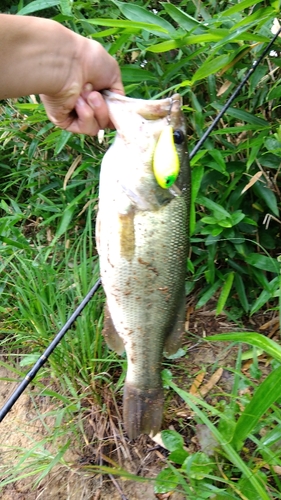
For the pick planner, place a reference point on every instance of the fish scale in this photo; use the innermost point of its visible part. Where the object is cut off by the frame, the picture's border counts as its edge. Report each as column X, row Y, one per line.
column 142, row 243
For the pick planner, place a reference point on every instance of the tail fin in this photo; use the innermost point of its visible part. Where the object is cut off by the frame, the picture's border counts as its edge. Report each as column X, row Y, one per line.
column 143, row 410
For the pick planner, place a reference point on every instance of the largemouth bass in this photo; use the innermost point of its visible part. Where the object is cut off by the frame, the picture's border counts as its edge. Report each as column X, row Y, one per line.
column 142, row 241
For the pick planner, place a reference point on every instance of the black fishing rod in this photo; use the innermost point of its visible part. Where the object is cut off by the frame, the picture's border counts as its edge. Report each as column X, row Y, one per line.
column 40, row 362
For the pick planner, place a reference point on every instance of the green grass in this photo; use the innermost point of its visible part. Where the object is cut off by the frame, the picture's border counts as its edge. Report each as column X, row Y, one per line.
column 48, row 261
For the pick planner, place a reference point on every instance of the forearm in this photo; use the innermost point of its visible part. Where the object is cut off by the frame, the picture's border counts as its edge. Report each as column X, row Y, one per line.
column 26, row 67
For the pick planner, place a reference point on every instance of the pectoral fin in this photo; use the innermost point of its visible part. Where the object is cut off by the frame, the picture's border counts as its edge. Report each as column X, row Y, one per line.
column 110, row 334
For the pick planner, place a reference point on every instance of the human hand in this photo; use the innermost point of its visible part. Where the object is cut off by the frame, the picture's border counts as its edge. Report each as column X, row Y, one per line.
column 78, row 107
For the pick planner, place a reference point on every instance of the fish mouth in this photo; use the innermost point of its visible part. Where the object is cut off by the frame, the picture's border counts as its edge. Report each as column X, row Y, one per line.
column 148, row 109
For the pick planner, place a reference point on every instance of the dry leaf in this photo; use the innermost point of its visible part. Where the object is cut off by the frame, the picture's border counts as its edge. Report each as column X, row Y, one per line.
column 197, row 382
column 223, row 88
column 253, row 180
column 71, row 170
column 212, row 382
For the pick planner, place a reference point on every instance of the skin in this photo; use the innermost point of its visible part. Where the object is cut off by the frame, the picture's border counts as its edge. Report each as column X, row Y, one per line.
column 40, row 56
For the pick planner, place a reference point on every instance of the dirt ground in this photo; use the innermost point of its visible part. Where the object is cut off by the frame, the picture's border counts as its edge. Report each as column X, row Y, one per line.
column 22, row 429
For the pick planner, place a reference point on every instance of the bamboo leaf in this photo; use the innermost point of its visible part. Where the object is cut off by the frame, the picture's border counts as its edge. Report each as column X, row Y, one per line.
column 37, row 5
column 62, row 140
column 130, row 74
column 123, row 23
column 241, row 292
column 228, row 449
column 262, row 262
column 265, row 395
column 140, row 14
column 256, row 339
column 212, row 66
column 239, row 6
column 184, row 20
column 212, row 205
column 225, row 292
column 242, row 115
column 197, row 176
column 267, row 195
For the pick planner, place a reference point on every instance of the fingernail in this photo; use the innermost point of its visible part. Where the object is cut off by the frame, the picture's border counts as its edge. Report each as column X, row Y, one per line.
column 80, row 101
column 88, row 87
column 94, row 101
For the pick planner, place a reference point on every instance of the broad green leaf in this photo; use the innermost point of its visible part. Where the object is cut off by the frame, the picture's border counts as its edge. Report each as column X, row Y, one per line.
column 184, row 20
column 120, row 23
column 178, row 456
column 238, row 7
column 186, row 40
column 261, row 278
column 15, row 243
column 238, row 129
column 172, row 440
column 256, row 339
column 198, row 465
column 263, row 298
column 237, row 217
column 212, row 66
column 131, row 74
column 253, row 19
column 208, row 294
column 275, row 93
column 224, row 223
column 267, row 195
column 263, row 262
column 37, row 5
column 228, row 449
column 61, row 142
column 225, row 293
column 140, row 14
column 241, row 292
column 65, row 6
column 197, row 176
column 218, row 157
column 165, row 481
column 64, row 223
column 212, row 205
column 209, row 220
column 242, row 115
column 266, row 394
column 166, row 46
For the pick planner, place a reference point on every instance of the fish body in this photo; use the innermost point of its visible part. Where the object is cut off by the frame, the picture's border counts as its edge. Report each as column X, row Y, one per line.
column 142, row 241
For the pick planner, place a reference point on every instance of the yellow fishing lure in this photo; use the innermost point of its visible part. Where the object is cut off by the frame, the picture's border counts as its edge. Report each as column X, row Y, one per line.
column 166, row 163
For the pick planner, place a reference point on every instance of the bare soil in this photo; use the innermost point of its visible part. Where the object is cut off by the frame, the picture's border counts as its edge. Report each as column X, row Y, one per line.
column 203, row 371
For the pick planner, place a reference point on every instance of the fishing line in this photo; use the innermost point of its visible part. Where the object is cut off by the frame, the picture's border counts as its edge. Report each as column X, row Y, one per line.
column 233, row 96
column 40, row 362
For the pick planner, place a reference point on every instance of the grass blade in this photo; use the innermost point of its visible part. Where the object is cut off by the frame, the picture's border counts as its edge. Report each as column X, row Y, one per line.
column 252, row 338
column 228, row 449
column 265, row 395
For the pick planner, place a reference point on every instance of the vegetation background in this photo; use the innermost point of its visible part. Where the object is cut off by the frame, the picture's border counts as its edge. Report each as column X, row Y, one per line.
column 48, row 262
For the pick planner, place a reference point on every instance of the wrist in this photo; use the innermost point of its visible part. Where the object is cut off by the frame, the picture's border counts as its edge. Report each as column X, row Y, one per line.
column 37, row 55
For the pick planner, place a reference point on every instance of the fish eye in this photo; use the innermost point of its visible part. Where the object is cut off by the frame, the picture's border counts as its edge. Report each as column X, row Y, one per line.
column 178, row 136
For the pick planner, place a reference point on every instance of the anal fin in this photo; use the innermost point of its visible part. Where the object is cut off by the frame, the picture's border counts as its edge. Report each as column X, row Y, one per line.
column 174, row 340
column 110, row 334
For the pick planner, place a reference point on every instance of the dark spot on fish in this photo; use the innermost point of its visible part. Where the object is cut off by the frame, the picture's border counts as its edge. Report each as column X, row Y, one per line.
column 143, row 262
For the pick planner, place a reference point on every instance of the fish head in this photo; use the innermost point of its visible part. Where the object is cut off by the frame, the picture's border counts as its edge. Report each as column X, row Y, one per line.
column 140, row 125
